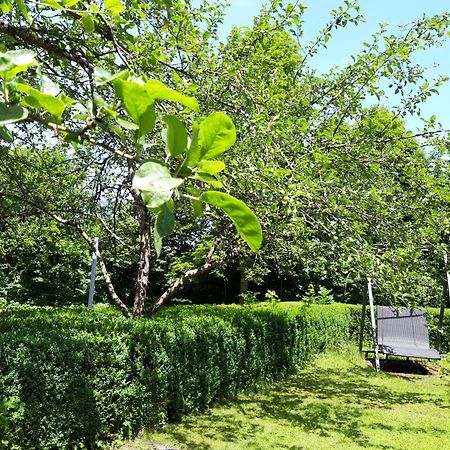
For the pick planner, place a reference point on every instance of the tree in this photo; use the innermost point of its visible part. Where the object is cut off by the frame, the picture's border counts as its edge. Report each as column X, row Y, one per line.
column 40, row 261
column 335, row 182
column 76, row 52
column 331, row 178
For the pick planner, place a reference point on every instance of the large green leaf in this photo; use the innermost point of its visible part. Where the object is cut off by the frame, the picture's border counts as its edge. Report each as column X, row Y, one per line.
column 244, row 219
column 155, row 199
column 164, row 225
column 175, row 136
column 12, row 114
column 216, row 135
column 193, row 154
column 211, row 167
column 16, row 61
column 88, row 23
column 50, row 103
column 159, row 91
column 102, row 76
column 5, row 134
column 210, row 179
column 154, row 178
column 138, row 103
column 127, row 125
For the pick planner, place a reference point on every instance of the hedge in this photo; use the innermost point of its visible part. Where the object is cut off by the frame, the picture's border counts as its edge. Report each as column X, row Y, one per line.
column 78, row 378
column 72, row 378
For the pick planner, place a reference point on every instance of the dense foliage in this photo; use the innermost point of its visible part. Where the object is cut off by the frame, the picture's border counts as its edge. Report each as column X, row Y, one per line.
column 340, row 185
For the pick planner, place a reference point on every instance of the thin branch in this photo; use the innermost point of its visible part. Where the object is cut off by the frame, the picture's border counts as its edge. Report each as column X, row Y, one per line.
column 82, row 134
column 113, row 234
column 28, row 36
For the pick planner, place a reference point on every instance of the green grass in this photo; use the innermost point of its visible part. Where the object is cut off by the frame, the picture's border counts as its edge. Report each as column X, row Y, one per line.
column 336, row 403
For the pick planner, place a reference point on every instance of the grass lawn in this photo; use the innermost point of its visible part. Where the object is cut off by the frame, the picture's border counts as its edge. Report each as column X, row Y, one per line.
column 336, row 403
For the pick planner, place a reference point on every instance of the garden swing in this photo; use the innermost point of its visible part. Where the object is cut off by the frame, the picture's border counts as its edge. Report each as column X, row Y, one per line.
column 397, row 332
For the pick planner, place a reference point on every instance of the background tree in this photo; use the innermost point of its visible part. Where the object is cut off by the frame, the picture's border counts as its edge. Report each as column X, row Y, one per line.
column 333, row 180
column 342, row 189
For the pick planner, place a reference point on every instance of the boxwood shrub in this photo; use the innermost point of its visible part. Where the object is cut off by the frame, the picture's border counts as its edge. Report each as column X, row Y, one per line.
column 78, row 378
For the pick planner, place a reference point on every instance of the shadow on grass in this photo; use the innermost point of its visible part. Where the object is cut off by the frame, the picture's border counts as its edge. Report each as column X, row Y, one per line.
column 324, row 402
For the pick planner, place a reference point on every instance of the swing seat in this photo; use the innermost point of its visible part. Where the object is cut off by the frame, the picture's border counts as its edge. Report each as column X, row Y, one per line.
column 404, row 333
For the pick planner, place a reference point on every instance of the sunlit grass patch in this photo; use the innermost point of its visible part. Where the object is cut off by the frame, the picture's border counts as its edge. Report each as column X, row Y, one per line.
column 336, row 403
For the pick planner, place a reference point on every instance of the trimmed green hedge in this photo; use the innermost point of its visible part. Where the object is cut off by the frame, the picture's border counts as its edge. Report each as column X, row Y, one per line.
column 78, row 378
column 70, row 377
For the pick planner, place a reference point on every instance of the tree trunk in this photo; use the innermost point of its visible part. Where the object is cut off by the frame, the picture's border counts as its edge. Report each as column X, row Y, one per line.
column 144, row 259
column 243, row 287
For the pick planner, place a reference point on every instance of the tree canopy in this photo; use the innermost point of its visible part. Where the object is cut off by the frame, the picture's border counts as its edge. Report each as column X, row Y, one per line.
column 133, row 122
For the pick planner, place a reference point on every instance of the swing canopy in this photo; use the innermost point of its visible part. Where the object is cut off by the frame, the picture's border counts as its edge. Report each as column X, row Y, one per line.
column 404, row 333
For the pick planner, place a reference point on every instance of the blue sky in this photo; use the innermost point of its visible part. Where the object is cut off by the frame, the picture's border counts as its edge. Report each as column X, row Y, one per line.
column 349, row 40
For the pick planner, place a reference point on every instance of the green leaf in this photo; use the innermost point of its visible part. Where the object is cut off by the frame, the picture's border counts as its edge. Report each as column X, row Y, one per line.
column 23, row 10
column 52, row 3
column 16, row 61
column 197, row 205
column 154, row 178
column 155, row 199
column 164, row 225
column 102, row 76
column 193, row 154
column 165, row 219
column 88, row 23
column 5, row 134
column 157, row 241
column 50, row 103
column 159, row 91
column 115, row 6
column 127, row 125
column 216, row 135
column 12, row 114
column 242, row 216
column 139, row 105
column 207, row 178
column 211, row 167
column 176, row 136
column 153, row 175
column 6, row 6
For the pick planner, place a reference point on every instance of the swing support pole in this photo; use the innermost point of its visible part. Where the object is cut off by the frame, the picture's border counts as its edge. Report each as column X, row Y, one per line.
column 374, row 325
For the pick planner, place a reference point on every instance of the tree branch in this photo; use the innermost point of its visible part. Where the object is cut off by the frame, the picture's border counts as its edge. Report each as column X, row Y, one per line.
column 181, row 281
column 28, row 36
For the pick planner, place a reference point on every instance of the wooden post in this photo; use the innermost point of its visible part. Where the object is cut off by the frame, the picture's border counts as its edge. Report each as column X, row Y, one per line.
column 93, row 273
column 374, row 325
column 363, row 320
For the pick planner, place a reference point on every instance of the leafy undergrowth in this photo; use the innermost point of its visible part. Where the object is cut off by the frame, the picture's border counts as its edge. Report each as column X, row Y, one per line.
column 337, row 403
